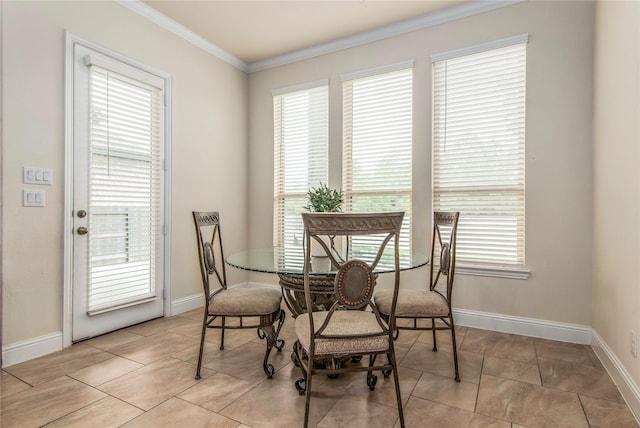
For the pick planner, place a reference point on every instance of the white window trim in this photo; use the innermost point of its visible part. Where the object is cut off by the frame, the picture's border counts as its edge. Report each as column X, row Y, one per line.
column 377, row 70
column 495, row 271
column 481, row 47
column 300, row 87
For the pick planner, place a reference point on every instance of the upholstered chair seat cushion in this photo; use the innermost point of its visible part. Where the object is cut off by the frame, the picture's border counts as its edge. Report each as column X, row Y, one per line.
column 412, row 303
column 246, row 300
column 343, row 323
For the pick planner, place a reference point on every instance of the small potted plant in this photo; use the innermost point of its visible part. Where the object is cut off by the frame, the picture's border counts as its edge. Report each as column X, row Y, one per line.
column 323, row 199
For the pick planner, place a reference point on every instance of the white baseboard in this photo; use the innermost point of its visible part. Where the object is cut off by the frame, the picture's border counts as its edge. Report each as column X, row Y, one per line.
column 565, row 332
column 628, row 388
column 187, row 304
column 29, row 349
column 36, row 347
column 533, row 327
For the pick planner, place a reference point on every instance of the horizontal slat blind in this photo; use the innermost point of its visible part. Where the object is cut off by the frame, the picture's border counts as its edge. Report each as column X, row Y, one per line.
column 125, row 188
column 377, row 142
column 479, row 151
column 301, row 135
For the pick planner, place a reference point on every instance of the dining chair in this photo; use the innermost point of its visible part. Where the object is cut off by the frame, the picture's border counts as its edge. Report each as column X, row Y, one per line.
column 432, row 303
column 245, row 301
column 334, row 341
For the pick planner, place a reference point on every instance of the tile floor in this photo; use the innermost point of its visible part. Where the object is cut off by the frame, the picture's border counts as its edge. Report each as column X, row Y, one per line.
column 143, row 376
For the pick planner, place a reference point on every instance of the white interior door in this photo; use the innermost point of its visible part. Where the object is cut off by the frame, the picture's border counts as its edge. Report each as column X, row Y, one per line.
column 118, row 188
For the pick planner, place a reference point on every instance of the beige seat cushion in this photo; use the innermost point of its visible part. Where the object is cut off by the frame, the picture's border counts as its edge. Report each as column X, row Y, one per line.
column 412, row 303
column 343, row 323
column 246, row 300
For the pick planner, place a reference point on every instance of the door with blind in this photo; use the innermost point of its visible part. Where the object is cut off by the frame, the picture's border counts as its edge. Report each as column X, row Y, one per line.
column 118, row 187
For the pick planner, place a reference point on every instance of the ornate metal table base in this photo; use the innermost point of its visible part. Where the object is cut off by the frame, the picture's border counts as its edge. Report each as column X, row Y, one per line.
column 293, row 292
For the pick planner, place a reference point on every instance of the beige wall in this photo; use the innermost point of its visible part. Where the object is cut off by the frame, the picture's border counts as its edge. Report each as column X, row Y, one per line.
column 616, row 247
column 211, row 128
column 558, row 148
column 210, row 105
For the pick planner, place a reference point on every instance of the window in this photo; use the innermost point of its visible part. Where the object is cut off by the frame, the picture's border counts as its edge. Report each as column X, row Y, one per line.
column 125, row 182
column 377, row 138
column 479, row 146
column 301, row 135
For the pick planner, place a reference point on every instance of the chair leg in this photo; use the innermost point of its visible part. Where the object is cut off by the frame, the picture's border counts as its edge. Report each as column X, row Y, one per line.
column 223, row 320
column 455, row 349
column 372, row 379
column 396, row 380
column 204, row 332
column 268, row 332
column 433, row 330
column 307, row 401
column 298, row 360
column 279, row 343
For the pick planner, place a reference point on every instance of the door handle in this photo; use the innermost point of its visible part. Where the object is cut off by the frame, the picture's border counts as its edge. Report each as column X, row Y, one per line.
column 82, row 230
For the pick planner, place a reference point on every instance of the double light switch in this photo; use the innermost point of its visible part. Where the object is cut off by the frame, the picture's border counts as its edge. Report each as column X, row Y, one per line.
column 33, row 175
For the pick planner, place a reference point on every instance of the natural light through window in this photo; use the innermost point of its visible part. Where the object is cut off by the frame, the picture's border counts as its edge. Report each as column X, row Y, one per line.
column 377, row 142
column 300, row 155
column 479, row 148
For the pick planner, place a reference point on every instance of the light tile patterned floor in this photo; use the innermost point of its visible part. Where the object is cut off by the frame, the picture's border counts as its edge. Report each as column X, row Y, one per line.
column 143, row 376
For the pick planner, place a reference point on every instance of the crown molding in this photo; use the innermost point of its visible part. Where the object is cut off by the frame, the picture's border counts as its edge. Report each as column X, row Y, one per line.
column 464, row 10
column 180, row 30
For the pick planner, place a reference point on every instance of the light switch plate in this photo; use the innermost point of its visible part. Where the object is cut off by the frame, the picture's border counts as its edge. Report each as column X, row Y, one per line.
column 32, row 198
column 33, row 175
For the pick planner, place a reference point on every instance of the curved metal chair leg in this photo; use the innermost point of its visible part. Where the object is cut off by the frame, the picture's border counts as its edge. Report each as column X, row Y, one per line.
column 372, row 379
column 204, row 332
column 270, row 333
column 279, row 343
column 267, row 332
column 386, row 373
column 396, row 333
column 300, row 383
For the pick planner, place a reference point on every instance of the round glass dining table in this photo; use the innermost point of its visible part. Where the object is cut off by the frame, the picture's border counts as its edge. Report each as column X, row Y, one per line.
column 288, row 263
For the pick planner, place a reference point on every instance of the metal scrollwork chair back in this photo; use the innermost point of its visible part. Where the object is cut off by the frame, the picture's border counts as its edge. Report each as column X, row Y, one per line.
column 260, row 302
column 432, row 303
column 352, row 327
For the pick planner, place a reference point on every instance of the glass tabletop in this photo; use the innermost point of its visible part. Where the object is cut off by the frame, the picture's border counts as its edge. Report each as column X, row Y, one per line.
column 290, row 260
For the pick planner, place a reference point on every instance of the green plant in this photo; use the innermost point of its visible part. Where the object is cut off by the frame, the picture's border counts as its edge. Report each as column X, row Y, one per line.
column 324, row 199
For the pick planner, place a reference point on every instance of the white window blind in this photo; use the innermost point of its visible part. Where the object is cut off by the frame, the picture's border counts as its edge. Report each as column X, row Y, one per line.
column 479, row 150
column 377, row 139
column 125, row 187
column 301, row 135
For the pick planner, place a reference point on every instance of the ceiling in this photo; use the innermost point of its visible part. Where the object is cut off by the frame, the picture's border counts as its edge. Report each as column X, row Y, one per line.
column 257, row 30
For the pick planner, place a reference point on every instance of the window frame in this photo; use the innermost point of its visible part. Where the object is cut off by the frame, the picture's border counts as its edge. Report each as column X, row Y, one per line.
column 280, row 194
column 517, row 270
column 365, row 76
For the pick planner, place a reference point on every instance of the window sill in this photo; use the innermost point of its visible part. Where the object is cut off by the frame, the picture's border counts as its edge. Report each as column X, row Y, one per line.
column 494, row 271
